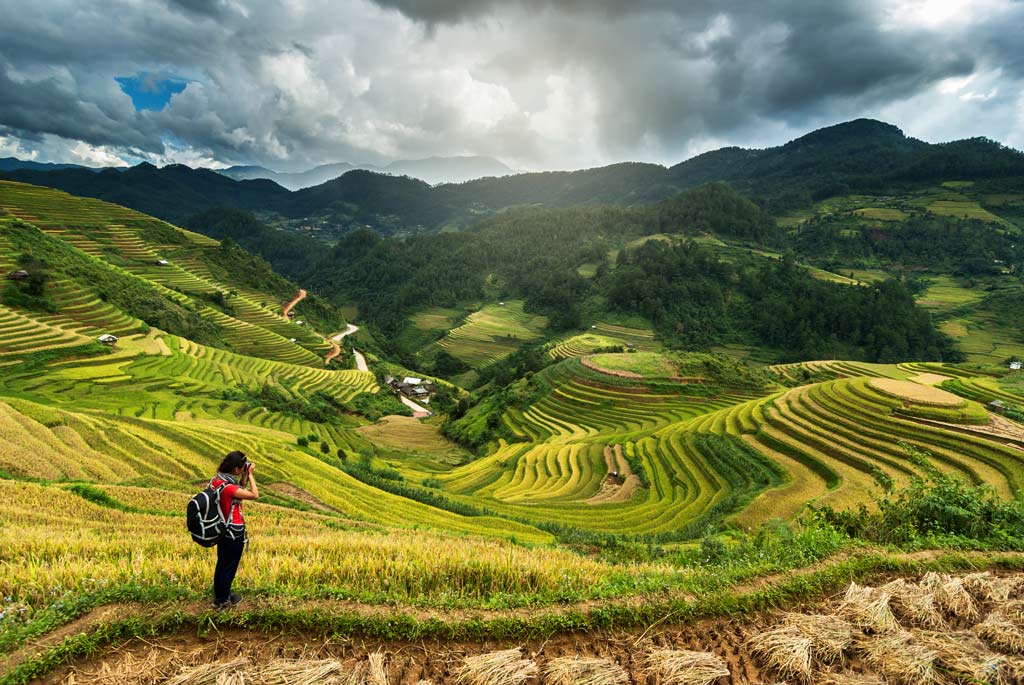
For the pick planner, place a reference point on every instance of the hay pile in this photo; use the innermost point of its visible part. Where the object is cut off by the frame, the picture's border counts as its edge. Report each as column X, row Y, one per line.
column 951, row 595
column 682, row 667
column 962, row 654
column 1001, row 633
column 915, row 605
column 899, row 658
column 571, row 670
column 794, row 647
column 868, row 608
column 504, row 667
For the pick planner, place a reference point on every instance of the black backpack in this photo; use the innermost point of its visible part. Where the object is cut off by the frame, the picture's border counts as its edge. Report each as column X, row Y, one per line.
column 204, row 518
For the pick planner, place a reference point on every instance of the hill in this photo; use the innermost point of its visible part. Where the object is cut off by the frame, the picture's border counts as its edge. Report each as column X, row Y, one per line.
column 862, row 156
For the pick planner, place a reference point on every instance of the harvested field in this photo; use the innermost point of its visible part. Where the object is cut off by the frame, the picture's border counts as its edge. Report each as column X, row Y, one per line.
column 916, row 392
column 814, row 646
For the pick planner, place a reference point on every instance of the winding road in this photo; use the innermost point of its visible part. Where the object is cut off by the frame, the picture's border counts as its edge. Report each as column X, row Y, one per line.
column 291, row 303
column 418, row 411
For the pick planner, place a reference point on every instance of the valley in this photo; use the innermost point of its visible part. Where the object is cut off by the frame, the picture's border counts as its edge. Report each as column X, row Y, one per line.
column 700, row 407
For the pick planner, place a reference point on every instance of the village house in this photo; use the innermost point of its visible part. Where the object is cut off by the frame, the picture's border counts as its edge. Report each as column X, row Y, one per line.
column 998, row 406
column 410, row 386
column 107, row 339
column 1016, row 366
column 162, row 262
column 19, row 275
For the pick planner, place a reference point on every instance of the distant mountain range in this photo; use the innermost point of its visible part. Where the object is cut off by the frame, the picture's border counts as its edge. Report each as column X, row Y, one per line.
column 864, row 156
column 433, row 170
column 14, row 164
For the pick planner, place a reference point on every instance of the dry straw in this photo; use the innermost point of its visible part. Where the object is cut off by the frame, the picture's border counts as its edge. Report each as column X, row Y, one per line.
column 847, row 678
column 898, row 658
column 1001, row 633
column 914, row 604
column 951, row 595
column 299, row 672
column 378, row 671
column 683, row 667
column 1014, row 610
column 571, row 670
column 215, row 673
column 868, row 608
column 988, row 588
column 962, row 654
column 785, row 650
column 830, row 635
column 505, row 667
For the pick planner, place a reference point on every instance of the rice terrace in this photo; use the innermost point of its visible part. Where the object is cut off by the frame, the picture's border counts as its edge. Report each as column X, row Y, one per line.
column 695, row 385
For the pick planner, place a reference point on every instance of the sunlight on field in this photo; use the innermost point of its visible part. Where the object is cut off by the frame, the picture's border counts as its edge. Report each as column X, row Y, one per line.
column 945, row 293
column 642, row 364
column 492, row 333
column 882, row 213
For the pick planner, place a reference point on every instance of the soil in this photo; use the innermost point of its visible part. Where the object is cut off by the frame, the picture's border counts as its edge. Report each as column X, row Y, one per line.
column 611, row 489
column 727, row 639
column 292, row 302
column 292, row 490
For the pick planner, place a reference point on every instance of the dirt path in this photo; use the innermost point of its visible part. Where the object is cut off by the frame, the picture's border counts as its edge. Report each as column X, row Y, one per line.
column 335, row 341
column 434, row 659
column 611, row 489
column 291, row 303
column 418, row 411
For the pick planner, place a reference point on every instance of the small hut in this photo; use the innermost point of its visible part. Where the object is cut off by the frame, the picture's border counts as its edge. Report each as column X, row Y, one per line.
column 108, row 339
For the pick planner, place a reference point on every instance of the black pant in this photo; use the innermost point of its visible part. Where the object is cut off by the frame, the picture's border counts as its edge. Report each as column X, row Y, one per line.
column 229, row 553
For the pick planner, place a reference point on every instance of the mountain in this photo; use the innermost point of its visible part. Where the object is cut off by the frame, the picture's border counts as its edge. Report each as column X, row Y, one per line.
column 14, row 164
column 861, row 156
column 291, row 181
column 173, row 193
column 433, row 170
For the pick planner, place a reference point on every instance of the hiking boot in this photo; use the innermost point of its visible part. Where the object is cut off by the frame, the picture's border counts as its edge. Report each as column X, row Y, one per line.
column 233, row 600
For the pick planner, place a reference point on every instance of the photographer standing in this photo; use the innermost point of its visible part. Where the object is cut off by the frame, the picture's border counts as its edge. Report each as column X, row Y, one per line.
column 234, row 472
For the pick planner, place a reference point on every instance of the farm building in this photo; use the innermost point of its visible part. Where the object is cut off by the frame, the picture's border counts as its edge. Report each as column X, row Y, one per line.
column 19, row 275
column 162, row 262
column 997, row 406
column 291, row 315
column 107, row 339
column 410, row 386
column 1016, row 366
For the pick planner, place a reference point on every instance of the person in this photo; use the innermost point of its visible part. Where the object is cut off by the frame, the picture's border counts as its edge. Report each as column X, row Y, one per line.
column 234, row 472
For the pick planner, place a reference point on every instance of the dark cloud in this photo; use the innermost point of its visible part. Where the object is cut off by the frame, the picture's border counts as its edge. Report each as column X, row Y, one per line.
column 537, row 83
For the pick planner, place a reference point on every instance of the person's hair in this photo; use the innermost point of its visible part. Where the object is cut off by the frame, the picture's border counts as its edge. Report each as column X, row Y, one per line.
column 232, row 461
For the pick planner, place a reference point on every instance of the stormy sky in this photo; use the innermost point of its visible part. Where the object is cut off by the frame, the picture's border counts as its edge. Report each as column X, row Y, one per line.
column 538, row 84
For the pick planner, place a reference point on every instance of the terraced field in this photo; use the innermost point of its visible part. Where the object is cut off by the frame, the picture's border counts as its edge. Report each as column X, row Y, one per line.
column 836, row 442
column 492, row 333
column 160, row 254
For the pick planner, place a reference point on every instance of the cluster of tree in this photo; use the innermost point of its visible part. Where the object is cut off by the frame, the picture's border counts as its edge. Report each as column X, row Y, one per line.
column 963, row 247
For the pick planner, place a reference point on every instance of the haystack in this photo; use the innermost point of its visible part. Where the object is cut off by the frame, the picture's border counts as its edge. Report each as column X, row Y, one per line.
column 988, row 588
column 571, row 670
column 682, row 667
column 1001, row 633
column 1014, row 610
column 830, row 635
column 378, row 671
column 963, row 655
column 786, row 650
column 914, row 604
column 868, row 608
column 299, row 672
column 898, row 658
column 215, row 673
column 504, row 667
column 951, row 595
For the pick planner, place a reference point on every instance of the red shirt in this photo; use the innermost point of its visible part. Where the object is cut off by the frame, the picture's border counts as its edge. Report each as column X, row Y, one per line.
column 229, row 506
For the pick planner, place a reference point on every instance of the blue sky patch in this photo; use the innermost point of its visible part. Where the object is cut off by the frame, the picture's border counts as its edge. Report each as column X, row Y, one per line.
column 151, row 91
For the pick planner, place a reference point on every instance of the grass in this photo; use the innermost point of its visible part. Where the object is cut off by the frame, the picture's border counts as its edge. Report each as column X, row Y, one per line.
column 945, row 294
column 643, row 364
